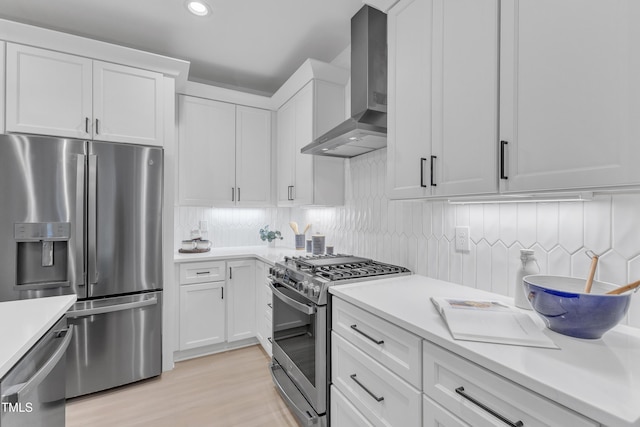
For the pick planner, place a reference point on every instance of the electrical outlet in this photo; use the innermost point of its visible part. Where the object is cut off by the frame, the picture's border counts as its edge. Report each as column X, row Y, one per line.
column 203, row 225
column 462, row 239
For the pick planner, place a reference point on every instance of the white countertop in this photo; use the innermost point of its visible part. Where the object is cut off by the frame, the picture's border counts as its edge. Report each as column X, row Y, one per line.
column 597, row 378
column 263, row 253
column 24, row 322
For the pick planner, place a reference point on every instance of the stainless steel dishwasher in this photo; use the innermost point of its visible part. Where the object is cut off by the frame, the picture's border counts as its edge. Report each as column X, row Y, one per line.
column 33, row 391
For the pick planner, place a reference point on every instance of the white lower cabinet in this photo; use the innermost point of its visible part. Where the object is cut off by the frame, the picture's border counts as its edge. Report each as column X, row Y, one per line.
column 263, row 307
column 435, row 415
column 241, row 300
column 217, row 306
column 343, row 413
column 372, row 382
column 202, row 315
column 380, row 395
column 482, row 399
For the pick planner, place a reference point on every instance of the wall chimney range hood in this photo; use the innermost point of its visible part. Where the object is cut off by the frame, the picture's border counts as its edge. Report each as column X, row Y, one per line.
column 366, row 130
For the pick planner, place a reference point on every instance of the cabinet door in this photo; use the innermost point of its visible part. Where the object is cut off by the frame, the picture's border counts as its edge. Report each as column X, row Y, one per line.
column 127, row 104
column 253, row 156
column 202, row 314
column 241, row 300
column 206, row 165
column 434, row 415
column 465, row 97
column 3, row 47
column 303, row 190
column 48, row 93
column 409, row 118
column 569, row 85
column 285, row 152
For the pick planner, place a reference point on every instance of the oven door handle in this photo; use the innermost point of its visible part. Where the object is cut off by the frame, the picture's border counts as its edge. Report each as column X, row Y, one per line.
column 306, row 309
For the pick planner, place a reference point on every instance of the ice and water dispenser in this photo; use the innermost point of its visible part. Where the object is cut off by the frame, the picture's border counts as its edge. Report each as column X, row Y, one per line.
column 42, row 254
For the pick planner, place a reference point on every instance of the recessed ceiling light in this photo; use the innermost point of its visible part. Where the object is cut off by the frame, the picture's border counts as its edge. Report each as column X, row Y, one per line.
column 198, row 7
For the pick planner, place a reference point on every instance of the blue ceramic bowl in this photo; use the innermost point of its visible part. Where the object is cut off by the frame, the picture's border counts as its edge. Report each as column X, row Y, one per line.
column 566, row 309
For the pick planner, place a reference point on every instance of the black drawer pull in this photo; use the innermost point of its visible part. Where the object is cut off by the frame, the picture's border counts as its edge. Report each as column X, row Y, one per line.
column 355, row 328
column 503, row 145
column 202, row 272
column 270, row 340
column 433, row 159
column 460, row 391
column 378, row 399
column 269, row 305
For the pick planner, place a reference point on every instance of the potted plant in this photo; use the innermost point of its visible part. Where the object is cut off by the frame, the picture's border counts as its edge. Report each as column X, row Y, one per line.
column 269, row 235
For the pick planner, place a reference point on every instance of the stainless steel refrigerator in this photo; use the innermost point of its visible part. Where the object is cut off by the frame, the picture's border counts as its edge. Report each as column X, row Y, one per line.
column 85, row 217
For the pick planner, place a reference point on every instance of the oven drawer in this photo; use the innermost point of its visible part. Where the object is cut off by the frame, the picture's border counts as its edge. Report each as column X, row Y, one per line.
column 479, row 396
column 379, row 394
column 200, row 272
column 394, row 347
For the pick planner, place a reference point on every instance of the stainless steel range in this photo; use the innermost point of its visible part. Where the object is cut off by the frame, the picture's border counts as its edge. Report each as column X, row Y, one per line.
column 301, row 325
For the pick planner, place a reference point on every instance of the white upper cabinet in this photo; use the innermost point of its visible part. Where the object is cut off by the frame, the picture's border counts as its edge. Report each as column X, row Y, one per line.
column 570, row 85
column 52, row 93
column 224, row 154
column 127, row 104
column 48, row 93
column 3, row 47
column 443, row 106
column 304, row 179
column 253, row 156
column 207, row 154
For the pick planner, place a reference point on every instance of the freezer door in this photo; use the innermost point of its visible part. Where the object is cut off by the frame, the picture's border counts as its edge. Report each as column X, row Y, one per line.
column 42, row 191
column 117, row 341
column 125, row 219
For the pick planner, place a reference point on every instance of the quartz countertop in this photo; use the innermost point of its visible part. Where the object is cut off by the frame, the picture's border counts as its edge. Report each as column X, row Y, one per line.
column 597, row 378
column 263, row 253
column 24, row 322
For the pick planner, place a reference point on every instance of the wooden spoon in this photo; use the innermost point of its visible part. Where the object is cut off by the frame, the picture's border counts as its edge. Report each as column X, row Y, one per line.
column 625, row 288
column 294, row 227
column 592, row 272
column 306, row 228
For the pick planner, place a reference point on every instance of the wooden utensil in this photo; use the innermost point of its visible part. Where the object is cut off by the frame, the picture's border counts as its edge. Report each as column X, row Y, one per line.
column 306, row 228
column 625, row 288
column 294, row 227
column 592, row 272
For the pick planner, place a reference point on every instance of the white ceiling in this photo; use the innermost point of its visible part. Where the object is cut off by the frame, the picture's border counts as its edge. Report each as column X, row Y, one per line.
column 251, row 45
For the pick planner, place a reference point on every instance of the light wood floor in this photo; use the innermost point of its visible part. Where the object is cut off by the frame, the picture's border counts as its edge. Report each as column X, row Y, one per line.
column 229, row 389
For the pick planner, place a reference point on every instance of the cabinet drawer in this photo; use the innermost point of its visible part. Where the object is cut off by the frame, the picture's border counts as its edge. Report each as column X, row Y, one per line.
column 394, row 347
column 446, row 375
column 379, row 394
column 200, row 272
column 434, row 415
column 343, row 413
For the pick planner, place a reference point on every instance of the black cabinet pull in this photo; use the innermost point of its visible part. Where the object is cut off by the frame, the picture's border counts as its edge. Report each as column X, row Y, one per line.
column 202, row 272
column 238, row 193
column 233, row 194
column 503, row 145
column 222, row 293
column 460, row 391
column 230, row 273
column 290, row 192
column 97, row 127
column 422, row 162
column 355, row 328
column 433, row 160
column 269, row 305
column 270, row 340
column 86, row 125
column 378, row 399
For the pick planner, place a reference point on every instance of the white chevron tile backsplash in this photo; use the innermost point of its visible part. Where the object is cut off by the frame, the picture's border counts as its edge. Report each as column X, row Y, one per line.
column 419, row 234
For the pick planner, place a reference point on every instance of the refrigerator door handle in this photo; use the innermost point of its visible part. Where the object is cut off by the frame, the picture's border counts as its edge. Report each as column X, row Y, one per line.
column 112, row 308
column 79, row 231
column 92, row 219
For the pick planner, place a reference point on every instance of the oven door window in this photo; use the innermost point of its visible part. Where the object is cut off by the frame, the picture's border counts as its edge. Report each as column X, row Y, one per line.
column 295, row 328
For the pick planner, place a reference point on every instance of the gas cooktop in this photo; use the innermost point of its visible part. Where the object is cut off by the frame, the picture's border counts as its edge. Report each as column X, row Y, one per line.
column 313, row 275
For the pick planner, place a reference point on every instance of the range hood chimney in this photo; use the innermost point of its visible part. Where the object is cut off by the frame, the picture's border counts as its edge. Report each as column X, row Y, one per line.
column 366, row 130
